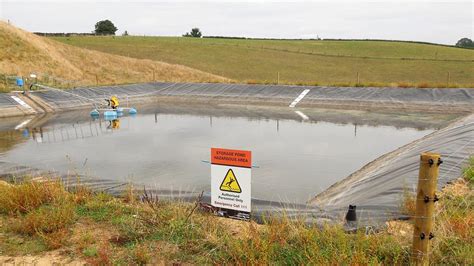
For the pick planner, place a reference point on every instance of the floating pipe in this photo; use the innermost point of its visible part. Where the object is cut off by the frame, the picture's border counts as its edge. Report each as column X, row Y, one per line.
column 110, row 113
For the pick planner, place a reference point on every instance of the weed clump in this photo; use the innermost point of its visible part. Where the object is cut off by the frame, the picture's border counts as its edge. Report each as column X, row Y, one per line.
column 454, row 243
column 469, row 172
column 47, row 219
column 454, row 237
column 39, row 209
column 28, row 196
column 408, row 206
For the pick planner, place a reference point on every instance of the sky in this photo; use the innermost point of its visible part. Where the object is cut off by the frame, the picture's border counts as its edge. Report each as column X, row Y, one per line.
column 416, row 20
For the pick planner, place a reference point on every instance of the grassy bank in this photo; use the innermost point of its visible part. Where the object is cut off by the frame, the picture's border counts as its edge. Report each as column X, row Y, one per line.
column 313, row 62
column 37, row 217
column 23, row 53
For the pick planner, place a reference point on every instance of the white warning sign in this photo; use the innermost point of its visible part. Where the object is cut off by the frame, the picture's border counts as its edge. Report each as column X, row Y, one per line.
column 231, row 179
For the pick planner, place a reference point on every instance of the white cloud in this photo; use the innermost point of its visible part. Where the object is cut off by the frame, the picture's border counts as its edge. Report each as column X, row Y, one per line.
column 432, row 21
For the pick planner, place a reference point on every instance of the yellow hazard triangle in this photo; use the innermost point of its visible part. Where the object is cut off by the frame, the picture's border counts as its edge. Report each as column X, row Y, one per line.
column 230, row 183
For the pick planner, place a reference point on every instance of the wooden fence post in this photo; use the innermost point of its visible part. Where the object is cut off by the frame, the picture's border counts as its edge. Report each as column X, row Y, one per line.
column 425, row 199
column 449, row 79
column 358, row 78
column 278, row 78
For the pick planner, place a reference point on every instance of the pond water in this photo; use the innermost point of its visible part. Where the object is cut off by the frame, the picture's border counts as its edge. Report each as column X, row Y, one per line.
column 294, row 157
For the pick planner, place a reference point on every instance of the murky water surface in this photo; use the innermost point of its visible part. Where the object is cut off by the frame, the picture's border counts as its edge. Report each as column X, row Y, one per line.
column 294, row 158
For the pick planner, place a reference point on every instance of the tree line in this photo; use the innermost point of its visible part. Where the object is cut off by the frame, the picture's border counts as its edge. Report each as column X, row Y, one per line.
column 107, row 27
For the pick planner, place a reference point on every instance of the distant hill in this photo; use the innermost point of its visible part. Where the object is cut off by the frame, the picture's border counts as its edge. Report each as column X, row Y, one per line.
column 22, row 53
column 323, row 62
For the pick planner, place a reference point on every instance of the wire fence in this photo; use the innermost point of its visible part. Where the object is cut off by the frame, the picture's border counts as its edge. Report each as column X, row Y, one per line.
column 8, row 82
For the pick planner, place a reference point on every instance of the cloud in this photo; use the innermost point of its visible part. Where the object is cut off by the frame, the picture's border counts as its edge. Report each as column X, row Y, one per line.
column 442, row 22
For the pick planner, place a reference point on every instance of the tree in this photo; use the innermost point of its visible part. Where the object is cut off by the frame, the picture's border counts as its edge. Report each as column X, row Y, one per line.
column 465, row 42
column 105, row 27
column 125, row 33
column 195, row 32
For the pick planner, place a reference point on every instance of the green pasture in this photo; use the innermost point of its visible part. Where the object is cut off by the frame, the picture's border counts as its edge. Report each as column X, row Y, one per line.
column 377, row 63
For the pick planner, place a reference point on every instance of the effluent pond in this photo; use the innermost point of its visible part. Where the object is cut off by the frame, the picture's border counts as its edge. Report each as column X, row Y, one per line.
column 295, row 154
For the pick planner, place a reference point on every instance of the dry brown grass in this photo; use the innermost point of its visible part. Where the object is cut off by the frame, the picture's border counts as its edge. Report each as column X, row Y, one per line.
column 48, row 219
column 28, row 196
column 22, row 53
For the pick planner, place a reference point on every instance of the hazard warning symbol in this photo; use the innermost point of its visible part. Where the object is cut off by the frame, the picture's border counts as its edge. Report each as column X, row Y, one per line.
column 231, row 179
column 230, row 183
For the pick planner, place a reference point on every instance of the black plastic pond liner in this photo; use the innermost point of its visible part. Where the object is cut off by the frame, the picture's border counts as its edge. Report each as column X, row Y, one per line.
column 455, row 99
column 384, row 181
column 7, row 101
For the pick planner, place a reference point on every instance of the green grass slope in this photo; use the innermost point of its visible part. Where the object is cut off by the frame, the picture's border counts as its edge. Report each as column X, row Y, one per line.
column 301, row 61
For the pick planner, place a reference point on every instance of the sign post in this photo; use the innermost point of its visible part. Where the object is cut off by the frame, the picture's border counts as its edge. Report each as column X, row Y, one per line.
column 231, row 182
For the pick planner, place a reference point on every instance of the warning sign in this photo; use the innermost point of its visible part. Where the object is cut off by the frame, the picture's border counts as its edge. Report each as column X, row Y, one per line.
column 231, row 179
column 231, row 157
column 230, row 183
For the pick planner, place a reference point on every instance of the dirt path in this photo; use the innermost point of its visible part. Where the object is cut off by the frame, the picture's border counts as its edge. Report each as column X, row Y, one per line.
column 49, row 258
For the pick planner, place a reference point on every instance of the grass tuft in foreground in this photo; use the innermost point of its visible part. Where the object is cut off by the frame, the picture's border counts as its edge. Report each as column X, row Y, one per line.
column 101, row 229
column 469, row 172
column 29, row 196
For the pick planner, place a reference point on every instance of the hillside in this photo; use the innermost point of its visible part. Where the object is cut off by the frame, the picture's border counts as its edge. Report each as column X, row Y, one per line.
column 300, row 61
column 22, row 53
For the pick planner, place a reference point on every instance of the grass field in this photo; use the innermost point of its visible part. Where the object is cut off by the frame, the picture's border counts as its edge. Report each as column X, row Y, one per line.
column 301, row 61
